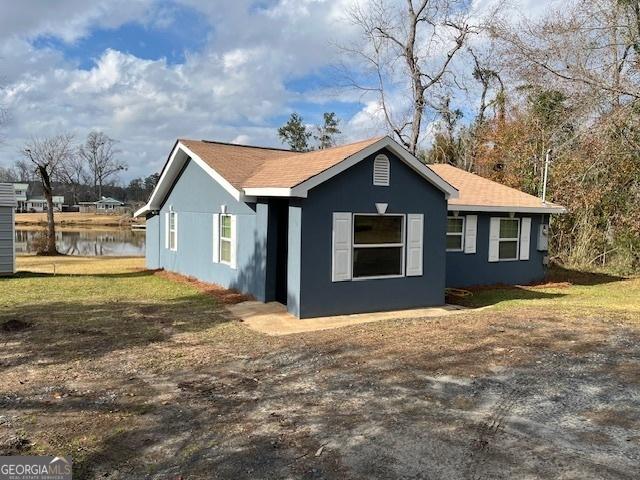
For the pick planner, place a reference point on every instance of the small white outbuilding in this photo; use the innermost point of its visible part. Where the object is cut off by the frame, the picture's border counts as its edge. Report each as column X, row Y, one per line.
column 7, row 229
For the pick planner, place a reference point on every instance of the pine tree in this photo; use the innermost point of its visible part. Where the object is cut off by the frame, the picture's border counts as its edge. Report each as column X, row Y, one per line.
column 295, row 134
column 326, row 134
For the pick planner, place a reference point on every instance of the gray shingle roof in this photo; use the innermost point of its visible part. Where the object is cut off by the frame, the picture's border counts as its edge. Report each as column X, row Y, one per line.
column 7, row 195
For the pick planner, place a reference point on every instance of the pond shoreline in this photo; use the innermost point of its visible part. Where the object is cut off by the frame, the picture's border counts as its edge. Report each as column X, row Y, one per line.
column 84, row 240
column 72, row 227
column 75, row 219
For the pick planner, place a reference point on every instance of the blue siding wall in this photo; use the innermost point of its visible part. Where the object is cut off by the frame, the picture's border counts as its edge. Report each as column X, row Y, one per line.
column 465, row 270
column 196, row 197
column 294, row 259
column 152, row 243
column 353, row 191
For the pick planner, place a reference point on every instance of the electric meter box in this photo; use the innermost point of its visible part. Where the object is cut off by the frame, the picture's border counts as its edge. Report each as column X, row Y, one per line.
column 543, row 237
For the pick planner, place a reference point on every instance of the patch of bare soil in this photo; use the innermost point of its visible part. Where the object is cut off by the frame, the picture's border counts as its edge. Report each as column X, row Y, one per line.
column 478, row 396
column 13, row 445
column 15, row 325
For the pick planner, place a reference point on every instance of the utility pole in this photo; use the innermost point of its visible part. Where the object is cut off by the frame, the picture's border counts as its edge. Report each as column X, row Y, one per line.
column 547, row 159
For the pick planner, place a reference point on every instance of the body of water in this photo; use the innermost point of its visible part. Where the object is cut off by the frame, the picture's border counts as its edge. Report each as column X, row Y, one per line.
column 86, row 241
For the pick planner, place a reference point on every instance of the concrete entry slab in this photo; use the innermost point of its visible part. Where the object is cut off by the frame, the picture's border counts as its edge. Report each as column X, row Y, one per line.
column 273, row 319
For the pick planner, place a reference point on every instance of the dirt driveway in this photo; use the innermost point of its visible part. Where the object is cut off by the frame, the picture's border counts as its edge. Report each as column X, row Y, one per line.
column 507, row 394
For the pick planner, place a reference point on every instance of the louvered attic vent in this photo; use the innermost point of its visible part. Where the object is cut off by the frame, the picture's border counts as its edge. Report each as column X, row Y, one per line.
column 381, row 171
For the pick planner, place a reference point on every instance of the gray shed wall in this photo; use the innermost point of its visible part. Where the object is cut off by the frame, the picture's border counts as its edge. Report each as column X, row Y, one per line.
column 353, row 191
column 465, row 270
column 7, row 234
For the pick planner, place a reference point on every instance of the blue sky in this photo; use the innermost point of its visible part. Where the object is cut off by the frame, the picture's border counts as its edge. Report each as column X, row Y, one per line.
column 146, row 72
column 150, row 41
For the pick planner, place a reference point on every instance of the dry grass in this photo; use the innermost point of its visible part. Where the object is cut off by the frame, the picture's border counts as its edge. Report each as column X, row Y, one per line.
column 76, row 219
column 71, row 265
column 222, row 295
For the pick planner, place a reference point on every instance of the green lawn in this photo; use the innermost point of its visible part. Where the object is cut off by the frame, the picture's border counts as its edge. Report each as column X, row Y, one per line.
column 566, row 292
column 100, row 305
column 87, row 280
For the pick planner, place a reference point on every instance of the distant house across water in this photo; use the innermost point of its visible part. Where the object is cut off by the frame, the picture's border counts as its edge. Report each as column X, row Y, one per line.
column 25, row 202
column 104, row 205
column 21, row 196
column 40, row 204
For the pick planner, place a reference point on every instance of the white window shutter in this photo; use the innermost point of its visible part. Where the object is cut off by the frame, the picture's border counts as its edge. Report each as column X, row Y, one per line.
column 470, row 233
column 341, row 260
column 525, row 238
column 175, row 226
column 415, row 236
column 234, row 241
column 494, row 239
column 216, row 238
column 166, row 230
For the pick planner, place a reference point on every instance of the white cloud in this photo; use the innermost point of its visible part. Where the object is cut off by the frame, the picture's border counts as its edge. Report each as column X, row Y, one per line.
column 368, row 122
column 68, row 20
column 230, row 90
column 241, row 139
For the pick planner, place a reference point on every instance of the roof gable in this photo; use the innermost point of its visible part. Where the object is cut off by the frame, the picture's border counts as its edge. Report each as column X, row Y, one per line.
column 246, row 172
column 108, row 200
column 235, row 163
column 292, row 170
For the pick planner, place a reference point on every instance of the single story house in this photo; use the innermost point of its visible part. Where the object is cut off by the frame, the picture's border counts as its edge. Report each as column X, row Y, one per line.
column 356, row 228
column 104, row 205
column 39, row 204
column 7, row 229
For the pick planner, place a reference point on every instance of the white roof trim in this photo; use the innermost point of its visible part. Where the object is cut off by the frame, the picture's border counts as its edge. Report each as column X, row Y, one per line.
column 274, row 192
column 303, row 188
column 142, row 211
column 505, row 209
column 178, row 158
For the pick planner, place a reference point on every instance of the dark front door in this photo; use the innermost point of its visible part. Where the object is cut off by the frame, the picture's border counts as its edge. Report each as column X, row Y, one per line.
column 282, row 229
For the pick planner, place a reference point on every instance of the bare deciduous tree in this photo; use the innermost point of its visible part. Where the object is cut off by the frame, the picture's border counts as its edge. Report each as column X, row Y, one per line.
column 72, row 172
column 8, row 175
column 24, row 170
column 408, row 53
column 47, row 155
column 99, row 153
column 590, row 48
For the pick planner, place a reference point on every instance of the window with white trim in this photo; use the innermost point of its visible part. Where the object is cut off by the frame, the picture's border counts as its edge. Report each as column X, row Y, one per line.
column 378, row 245
column 172, row 231
column 455, row 234
column 509, row 239
column 226, row 239
column 381, row 171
